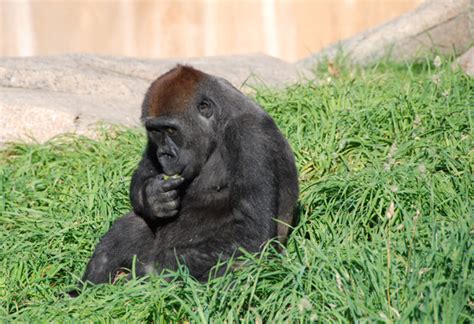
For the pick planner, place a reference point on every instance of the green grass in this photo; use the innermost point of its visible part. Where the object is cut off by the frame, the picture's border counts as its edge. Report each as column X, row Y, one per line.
column 385, row 156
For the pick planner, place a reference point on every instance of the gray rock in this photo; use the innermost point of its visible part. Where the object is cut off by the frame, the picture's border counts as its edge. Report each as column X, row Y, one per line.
column 41, row 97
column 437, row 26
column 466, row 62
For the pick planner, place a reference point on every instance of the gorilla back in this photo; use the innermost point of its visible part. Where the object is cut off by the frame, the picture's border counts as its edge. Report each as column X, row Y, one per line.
column 216, row 176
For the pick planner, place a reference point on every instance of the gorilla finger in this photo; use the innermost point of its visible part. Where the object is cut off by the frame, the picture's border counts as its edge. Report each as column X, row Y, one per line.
column 169, row 195
column 159, row 206
column 158, row 199
column 173, row 213
column 171, row 205
column 166, row 214
column 172, row 183
column 153, row 186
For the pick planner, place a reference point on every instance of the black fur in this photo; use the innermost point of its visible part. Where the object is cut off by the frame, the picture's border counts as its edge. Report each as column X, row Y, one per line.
column 237, row 176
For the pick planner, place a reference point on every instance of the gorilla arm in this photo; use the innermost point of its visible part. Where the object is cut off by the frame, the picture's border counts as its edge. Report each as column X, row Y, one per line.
column 251, row 146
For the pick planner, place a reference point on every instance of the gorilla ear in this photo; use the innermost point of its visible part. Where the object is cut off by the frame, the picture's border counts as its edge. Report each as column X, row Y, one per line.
column 205, row 108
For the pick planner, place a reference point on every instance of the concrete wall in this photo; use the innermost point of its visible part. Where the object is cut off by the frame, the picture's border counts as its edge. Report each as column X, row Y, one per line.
column 287, row 29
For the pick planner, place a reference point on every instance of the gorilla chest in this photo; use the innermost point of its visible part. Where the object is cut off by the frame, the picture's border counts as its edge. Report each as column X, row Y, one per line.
column 205, row 216
column 208, row 197
column 210, row 191
column 205, row 208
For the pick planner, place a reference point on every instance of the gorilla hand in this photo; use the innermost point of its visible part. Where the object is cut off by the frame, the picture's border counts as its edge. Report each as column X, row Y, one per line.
column 161, row 196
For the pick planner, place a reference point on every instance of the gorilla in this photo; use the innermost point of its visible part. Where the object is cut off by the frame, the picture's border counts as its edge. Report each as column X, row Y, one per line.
column 216, row 177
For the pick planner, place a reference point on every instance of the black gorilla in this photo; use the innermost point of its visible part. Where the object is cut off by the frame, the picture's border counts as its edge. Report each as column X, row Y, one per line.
column 215, row 176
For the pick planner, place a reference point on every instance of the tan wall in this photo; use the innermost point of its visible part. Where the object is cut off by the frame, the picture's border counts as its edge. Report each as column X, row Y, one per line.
column 183, row 28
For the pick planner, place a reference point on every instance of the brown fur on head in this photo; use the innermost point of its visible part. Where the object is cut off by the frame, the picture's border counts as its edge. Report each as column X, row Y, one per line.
column 172, row 92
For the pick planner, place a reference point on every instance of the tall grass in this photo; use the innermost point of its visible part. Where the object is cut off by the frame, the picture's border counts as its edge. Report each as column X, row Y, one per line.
column 385, row 156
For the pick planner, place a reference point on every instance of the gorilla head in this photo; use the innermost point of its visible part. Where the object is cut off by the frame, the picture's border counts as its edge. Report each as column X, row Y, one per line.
column 237, row 185
column 181, row 119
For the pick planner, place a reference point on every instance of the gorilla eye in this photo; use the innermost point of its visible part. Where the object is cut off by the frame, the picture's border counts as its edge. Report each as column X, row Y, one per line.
column 205, row 108
column 170, row 130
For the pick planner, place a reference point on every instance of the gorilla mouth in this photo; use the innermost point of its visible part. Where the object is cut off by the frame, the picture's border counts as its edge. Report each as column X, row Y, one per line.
column 166, row 155
column 169, row 163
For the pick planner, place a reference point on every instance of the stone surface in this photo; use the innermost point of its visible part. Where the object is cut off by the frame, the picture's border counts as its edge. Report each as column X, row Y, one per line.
column 41, row 97
column 440, row 26
column 466, row 62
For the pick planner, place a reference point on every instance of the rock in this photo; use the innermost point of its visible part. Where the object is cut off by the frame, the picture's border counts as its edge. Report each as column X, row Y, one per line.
column 28, row 123
column 437, row 26
column 466, row 62
column 41, row 97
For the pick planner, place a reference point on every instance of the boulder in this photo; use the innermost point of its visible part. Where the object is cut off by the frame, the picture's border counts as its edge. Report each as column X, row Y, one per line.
column 41, row 97
column 436, row 26
column 466, row 62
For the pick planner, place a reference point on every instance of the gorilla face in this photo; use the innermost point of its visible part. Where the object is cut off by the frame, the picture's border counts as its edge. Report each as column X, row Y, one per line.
column 184, row 141
column 167, row 136
column 180, row 113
